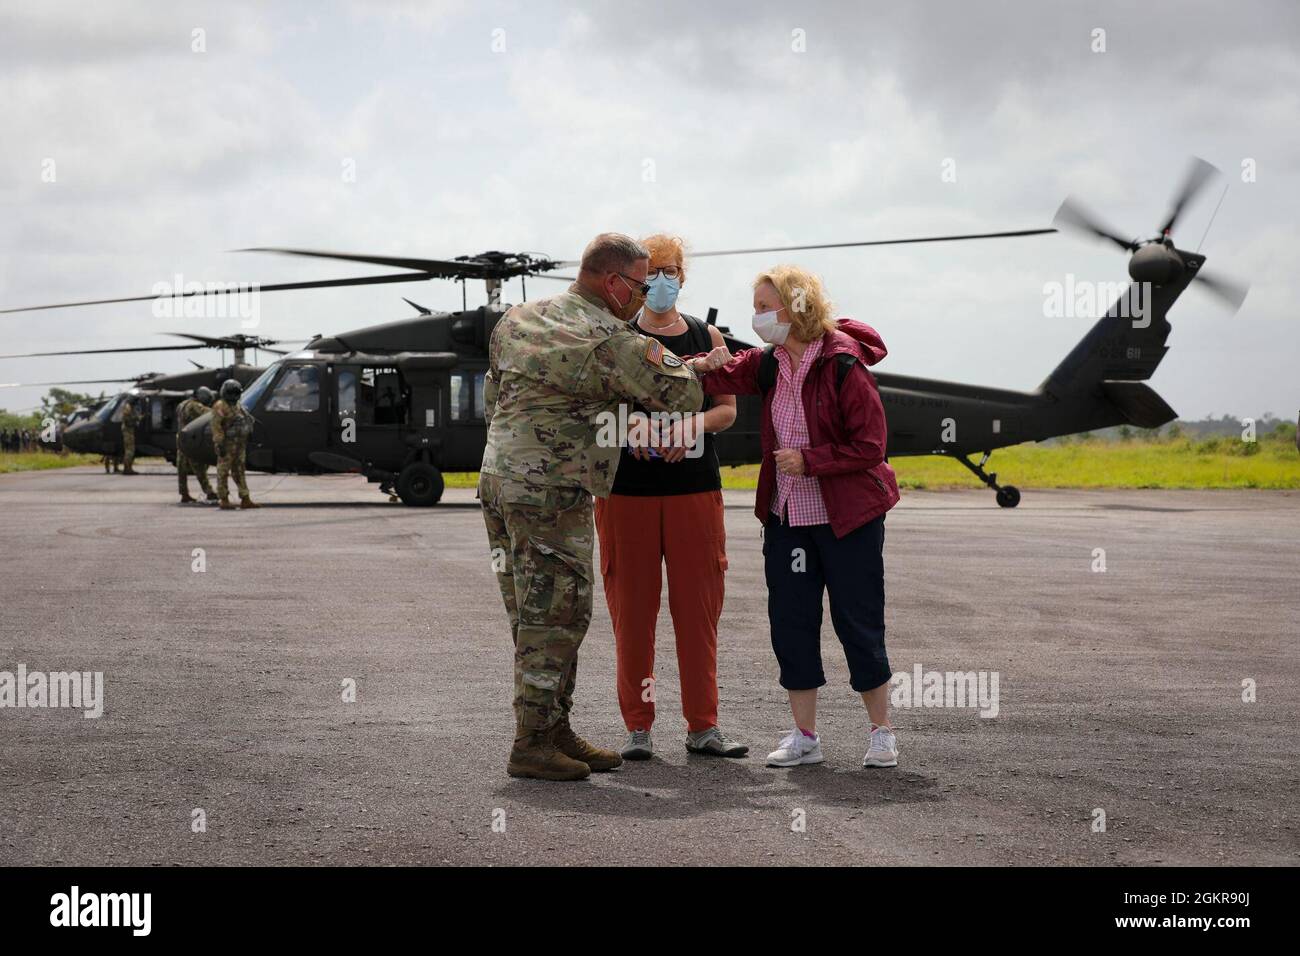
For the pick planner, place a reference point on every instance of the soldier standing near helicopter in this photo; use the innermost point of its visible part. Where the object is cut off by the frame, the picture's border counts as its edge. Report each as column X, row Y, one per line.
column 557, row 367
column 231, row 425
column 188, row 410
column 130, row 419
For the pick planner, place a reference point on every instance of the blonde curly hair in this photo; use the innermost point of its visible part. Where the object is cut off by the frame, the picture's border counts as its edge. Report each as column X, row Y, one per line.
column 805, row 299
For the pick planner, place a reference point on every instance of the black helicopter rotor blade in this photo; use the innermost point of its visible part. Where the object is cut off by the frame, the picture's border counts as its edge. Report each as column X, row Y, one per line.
column 1229, row 290
column 547, row 275
column 85, row 381
column 235, row 342
column 239, row 340
column 1199, row 172
column 278, row 287
column 877, row 242
column 148, row 348
column 212, row 341
column 442, row 268
column 1072, row 215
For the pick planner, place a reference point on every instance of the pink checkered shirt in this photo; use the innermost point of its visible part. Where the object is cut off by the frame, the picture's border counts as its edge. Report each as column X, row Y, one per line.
column 798, row 498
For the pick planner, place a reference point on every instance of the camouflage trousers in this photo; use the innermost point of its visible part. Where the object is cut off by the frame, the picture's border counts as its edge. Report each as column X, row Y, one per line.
column 128, row 448
column 541, row 539
column 186, row 466
column 110, row 460
column 230, row 464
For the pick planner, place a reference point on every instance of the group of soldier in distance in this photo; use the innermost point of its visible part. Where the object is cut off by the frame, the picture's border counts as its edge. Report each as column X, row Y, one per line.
column 231, row 426
column 15, row 440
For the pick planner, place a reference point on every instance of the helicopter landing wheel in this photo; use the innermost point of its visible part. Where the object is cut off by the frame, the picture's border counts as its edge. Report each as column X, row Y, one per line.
column 420, row 484
column 1008, row 496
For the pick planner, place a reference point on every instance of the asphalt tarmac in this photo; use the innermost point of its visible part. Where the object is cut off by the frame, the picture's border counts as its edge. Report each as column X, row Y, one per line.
column 1119, row 692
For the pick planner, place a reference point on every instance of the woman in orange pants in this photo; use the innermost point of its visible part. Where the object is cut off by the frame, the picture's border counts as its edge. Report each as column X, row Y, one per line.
column 666, row 507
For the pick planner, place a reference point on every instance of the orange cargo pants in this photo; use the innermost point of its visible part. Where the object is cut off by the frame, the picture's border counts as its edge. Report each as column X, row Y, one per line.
column 638, row 535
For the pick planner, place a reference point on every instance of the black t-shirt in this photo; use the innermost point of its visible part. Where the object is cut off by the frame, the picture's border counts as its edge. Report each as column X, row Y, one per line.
column 690, row 475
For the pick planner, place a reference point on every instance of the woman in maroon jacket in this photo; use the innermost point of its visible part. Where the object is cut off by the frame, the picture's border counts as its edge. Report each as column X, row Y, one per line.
column 823, row 490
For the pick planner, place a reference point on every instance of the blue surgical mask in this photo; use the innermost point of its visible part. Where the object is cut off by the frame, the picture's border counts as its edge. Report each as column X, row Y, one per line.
column 770, row 329
column 663, row 293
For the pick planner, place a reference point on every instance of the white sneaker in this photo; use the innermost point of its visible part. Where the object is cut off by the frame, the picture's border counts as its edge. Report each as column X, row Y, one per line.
column 883, row 750
column 639, row 746
column 796, row 748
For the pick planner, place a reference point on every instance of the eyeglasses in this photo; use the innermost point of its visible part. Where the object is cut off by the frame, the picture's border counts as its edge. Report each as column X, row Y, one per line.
column 671, row 272
column 636, row 285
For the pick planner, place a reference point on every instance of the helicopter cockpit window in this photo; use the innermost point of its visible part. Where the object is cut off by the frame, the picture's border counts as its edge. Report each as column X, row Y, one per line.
column 106, row 412
column 467, row 396
column 297, row 391
column 156, row 419
column 120, row 409
column 253, row 394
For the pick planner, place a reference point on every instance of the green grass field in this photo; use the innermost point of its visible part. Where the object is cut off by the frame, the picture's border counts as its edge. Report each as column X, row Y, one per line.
column 1271, row 462
column 1168, row 463
column 41, row 461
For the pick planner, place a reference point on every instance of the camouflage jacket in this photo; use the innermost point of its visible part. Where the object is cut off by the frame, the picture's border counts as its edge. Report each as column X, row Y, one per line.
column 229, row 421
column 130, row 417
column 558, row 369
column 187, row 411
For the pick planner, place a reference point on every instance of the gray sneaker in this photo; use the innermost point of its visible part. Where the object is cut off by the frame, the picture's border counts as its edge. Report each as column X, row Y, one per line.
column 639, row 746
column 714, row 743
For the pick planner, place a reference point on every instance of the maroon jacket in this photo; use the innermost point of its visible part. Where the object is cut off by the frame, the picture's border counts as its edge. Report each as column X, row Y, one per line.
column 846, row 427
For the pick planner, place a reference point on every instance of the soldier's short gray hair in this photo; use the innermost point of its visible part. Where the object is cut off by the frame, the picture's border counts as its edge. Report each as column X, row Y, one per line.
column 612, row 252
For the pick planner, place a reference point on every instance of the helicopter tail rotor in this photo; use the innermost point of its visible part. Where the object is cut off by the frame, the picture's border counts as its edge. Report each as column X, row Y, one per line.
column 1156, row 259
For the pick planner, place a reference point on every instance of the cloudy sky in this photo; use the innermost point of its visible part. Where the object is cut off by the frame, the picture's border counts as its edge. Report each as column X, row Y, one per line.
column 445, row 128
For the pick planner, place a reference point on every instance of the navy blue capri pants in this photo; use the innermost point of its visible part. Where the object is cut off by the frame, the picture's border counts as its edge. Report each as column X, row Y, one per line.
column 802, row 563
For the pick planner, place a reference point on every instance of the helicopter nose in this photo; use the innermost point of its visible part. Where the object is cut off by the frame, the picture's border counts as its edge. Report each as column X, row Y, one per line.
column 196, row 441
column 80, row 437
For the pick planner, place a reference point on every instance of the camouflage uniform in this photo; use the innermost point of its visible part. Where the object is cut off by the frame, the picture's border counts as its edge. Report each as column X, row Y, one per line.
column 186, row 412
column 130, row 419
column 554, row 366
column 230, row 428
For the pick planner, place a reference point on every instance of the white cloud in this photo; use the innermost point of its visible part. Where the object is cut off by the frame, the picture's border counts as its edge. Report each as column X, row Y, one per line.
column 167, row 158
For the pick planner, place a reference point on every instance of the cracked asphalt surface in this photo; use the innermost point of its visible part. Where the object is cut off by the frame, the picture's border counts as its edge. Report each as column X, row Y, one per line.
column 1119, row 691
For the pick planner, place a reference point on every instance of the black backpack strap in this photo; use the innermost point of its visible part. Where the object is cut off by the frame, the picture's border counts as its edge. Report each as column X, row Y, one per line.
column 843, row 362
column 698, row 330
column 767, row 370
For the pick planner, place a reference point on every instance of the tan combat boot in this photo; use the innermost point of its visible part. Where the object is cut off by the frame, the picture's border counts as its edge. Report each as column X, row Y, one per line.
column 571, row 745
column 247, row 503
column 535, row 755
column 226, row 505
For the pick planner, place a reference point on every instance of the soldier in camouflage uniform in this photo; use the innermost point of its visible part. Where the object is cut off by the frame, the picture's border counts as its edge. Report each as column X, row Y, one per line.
column 189, row 410
column 555, row 365
column 130, row 419
column 231, row 426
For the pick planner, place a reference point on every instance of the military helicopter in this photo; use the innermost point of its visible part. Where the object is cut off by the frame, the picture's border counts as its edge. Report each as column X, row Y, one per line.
column 402, row 403
column 98, row 431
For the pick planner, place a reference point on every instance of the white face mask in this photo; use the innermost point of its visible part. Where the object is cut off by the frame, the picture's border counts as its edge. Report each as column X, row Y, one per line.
column 771, row 330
